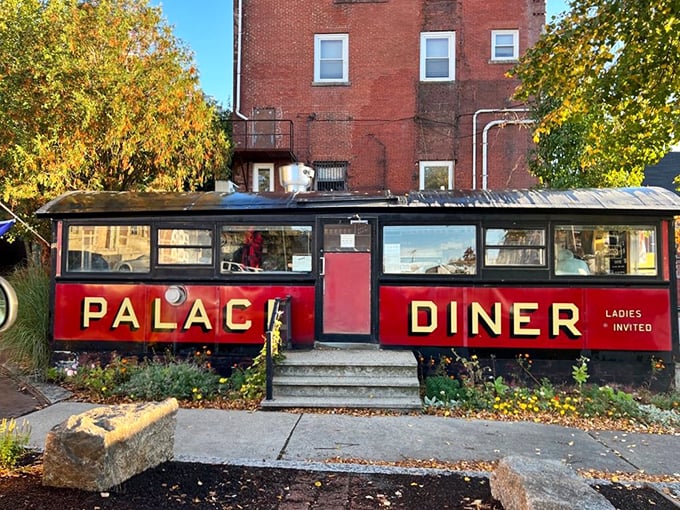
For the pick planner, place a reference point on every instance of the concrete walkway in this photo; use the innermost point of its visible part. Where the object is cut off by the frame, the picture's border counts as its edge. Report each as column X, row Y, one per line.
column 282, row 438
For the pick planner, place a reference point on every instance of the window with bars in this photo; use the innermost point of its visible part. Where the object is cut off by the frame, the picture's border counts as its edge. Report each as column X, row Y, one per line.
column 330, row 175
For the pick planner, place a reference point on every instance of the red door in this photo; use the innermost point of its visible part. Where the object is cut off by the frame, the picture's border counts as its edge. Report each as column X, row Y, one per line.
column 346, row 281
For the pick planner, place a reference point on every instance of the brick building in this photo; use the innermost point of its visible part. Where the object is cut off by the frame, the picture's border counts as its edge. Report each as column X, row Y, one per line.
column 382, row 94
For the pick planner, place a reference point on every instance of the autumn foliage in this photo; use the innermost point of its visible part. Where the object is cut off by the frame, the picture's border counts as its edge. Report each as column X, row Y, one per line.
column 605, row 79
column 98, row 94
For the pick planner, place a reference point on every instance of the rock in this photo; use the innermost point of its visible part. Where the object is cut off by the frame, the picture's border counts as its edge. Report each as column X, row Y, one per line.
column 105, row 446
column 525, row 483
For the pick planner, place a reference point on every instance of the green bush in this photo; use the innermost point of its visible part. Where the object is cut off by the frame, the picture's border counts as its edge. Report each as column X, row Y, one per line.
column 13, row 442
column 26, row 342
column 607, row 401
column 445, row 389
column 182, row 380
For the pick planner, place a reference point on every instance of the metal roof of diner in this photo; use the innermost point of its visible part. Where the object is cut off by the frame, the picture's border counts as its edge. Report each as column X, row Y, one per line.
column 102, row 203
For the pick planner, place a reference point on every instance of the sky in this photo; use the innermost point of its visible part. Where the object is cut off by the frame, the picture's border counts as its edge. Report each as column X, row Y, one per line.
column 206, row 26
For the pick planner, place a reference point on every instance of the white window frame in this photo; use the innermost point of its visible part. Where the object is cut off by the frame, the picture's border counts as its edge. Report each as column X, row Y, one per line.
column 450, row 38
column 424, row 165
column 515, row 45
column 256, row 176
column 318, row 39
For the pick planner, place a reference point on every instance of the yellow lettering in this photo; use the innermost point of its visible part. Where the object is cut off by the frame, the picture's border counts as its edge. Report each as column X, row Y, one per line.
column 518, row 319
column 89, row 314
column 198, row 316
column 477, row 312
column 126, row 314
column 158, row 324
column 424, row 306
column 569, row 322
column 453, row 318
column 229, row 315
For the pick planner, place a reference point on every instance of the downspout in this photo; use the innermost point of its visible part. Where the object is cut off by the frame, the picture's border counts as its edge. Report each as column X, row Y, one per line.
column 474, row 135
column 238, row 62
column 485, row 135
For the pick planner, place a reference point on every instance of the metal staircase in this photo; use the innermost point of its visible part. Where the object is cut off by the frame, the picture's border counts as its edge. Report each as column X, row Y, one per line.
column 346, row 375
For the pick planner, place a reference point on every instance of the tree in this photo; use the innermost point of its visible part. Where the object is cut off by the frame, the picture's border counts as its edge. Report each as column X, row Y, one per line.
column 604, row 80
column 99, row 95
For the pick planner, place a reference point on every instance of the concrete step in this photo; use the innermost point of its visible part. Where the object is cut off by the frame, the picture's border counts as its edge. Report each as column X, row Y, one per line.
column 397, row 404
column 346, row 386
column 346, row 377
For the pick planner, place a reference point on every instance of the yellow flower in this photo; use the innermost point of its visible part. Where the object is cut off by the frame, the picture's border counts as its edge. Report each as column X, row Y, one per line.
column 195, row 390
column 223, row 380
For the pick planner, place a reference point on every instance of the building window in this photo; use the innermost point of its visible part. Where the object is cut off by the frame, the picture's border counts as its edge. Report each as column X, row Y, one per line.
column 330, row 175
column 430, row 249
column 603, row 250
column 504, row 44
column 437, row 56
column 263, row 177
column 185, row 246
column 436, row 175
column 266, row 248
column 514, row 247
column 107, row 248
column 331, row 58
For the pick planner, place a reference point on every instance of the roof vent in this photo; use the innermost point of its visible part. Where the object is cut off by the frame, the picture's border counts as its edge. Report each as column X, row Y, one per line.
column 296, row 177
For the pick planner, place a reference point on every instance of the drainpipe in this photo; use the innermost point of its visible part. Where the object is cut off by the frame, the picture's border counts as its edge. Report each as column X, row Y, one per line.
column 474, row 135
column 485, row 135
column 237, row 109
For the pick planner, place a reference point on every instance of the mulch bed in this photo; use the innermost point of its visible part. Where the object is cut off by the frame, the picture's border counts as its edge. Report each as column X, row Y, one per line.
column 175, row 485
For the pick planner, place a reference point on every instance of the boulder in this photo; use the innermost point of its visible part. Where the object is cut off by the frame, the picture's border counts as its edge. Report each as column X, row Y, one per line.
column 526, row 483
column 105, row 446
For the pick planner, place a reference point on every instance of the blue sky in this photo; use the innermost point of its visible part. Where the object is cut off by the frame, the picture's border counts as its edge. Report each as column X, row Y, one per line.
column 205, row 26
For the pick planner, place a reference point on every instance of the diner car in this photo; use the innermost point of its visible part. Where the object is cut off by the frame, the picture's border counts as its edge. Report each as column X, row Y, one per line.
column 557, row 274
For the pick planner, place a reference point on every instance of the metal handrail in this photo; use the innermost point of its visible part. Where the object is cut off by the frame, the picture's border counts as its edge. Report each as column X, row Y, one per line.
column 281, row 306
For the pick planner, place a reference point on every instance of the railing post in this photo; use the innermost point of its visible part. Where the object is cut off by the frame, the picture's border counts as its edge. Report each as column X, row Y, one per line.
column 269, row 368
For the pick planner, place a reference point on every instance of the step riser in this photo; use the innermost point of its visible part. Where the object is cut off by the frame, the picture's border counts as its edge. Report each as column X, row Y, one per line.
column 344, row 371
column 343, row 391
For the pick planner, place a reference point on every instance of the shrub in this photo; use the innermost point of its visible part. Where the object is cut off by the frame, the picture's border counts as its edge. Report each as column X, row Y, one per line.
column 182, row 380
column 444, row 388
column 607, row 401
column 25, row 343
column 13, row 442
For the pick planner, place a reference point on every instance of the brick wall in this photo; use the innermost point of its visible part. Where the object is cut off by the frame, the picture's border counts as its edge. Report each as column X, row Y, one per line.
column 385, row 120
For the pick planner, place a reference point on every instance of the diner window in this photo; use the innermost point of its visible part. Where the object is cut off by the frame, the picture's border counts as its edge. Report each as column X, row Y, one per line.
column 504, row 45
column 331, row 58
column 602, row 250
column 266, row 248
column 430, row 249
column 437, row 56
column 436, row 175
column 106, row 248
column 185, row 246
column 523, row 247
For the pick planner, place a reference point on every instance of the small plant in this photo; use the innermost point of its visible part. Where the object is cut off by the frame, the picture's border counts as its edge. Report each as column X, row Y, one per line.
column 255, row 376
column 580, row 372
column 13, row 442
column 524, row 362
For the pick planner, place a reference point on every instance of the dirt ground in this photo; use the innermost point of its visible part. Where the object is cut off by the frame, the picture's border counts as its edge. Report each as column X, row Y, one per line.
column 176, row 485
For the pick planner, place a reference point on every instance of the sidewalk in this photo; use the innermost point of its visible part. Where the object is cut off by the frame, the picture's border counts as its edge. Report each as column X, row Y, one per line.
column 265, row 438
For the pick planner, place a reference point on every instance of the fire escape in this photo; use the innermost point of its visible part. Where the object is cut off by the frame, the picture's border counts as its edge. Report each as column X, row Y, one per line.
column 260, row 141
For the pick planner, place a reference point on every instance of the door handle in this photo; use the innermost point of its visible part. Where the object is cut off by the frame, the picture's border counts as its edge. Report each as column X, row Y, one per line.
column 322, row 266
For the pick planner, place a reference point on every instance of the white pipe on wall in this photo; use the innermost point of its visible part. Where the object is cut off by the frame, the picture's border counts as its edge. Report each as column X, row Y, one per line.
column 237, row 107
column 474, row 135
column 485, row 135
